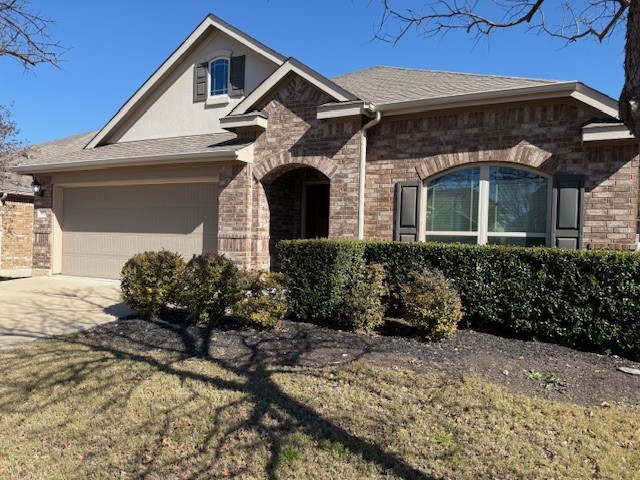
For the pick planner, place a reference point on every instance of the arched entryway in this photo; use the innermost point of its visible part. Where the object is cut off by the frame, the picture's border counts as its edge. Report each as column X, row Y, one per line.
column 298, row 201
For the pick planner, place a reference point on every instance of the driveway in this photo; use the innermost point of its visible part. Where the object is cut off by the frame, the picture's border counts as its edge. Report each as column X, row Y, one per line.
column 32, row 308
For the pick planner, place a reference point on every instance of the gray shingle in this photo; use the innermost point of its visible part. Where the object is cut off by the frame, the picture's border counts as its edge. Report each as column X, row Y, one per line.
column 71, row 149
column 392, row 84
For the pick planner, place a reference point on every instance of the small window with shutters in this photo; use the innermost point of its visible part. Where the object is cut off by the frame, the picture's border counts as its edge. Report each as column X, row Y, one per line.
column 217, row 80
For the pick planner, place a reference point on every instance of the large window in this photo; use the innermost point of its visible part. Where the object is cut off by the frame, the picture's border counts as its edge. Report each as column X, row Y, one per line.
column 488, row 204
column 219, row 76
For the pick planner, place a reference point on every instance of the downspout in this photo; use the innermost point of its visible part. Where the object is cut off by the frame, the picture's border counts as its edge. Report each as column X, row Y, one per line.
column 363, row 169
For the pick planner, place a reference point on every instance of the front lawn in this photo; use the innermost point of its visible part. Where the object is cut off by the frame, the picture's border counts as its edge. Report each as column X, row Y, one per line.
column 80, row 407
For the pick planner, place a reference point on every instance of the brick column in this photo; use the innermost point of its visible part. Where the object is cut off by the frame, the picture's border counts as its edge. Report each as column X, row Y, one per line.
column 235, row 214
column 42, row 228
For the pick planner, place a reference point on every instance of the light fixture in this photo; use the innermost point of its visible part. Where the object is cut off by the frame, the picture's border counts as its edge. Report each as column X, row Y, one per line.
column 36, row 187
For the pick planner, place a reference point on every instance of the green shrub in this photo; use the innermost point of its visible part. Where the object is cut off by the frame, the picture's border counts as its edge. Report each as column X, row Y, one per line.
column 431, row 304
column 149, row 281
column 320, row 273
column 362, row 309
column 209, row 287
column 579, row 298
column 263, row 303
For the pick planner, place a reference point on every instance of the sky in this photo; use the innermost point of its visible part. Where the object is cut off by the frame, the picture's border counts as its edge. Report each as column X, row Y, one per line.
column 114, row 46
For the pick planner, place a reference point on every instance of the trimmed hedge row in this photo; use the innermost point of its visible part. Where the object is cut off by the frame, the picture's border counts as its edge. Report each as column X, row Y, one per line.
column 577, row 298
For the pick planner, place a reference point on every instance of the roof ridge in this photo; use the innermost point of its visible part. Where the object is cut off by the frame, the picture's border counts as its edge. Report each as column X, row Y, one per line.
column 452, row 72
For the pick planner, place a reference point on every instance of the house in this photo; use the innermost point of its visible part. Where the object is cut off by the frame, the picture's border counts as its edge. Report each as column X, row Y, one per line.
column 16, row 224
column 230, row 147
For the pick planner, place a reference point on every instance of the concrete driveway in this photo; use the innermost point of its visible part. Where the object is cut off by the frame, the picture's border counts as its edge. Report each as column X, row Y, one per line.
column 32, row 308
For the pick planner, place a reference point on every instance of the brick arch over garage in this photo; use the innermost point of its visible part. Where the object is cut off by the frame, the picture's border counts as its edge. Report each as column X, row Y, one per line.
column 267, row 171
column 522, row 154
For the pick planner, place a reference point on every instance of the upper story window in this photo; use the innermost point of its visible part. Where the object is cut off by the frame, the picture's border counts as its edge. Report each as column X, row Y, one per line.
column 493, row 204
column 219, row 71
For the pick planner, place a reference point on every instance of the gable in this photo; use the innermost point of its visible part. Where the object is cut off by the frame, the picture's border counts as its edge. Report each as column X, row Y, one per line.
column 164, row 106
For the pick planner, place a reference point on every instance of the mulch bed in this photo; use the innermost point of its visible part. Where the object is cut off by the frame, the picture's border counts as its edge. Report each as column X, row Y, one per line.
column 538, row 369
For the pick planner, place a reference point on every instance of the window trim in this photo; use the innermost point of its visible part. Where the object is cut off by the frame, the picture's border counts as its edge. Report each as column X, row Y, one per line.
column 482, row 233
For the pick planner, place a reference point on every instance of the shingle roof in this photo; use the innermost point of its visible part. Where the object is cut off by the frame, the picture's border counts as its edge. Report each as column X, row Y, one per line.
column 13, row 183
column 391, row 84
column 71, row 149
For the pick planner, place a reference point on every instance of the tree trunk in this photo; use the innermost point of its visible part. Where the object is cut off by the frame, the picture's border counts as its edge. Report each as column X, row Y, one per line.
column 629, row 103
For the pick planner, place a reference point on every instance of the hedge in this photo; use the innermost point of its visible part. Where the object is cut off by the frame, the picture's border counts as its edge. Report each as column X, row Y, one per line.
column 321, row 271
column 587, row 299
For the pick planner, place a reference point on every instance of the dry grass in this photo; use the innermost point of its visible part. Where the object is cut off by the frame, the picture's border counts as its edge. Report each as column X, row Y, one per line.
column 80, row 410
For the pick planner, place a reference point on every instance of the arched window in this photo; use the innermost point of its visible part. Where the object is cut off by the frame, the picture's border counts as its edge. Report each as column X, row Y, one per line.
column 493, row 204
column 219, row 76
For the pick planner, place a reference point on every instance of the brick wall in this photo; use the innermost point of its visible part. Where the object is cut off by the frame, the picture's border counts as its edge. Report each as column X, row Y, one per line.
column 17, row 233
column 545, row 137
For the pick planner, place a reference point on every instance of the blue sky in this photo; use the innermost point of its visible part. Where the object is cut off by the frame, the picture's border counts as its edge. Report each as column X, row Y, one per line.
column 115, row 46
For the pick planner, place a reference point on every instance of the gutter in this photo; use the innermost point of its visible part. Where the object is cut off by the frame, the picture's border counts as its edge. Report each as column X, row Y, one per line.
column 363, row 169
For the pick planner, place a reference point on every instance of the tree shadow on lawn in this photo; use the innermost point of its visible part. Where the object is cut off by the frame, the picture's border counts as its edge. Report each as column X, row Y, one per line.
column 274, row 414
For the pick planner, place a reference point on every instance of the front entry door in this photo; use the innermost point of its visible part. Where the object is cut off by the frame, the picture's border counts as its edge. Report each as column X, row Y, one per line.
column 316, row 210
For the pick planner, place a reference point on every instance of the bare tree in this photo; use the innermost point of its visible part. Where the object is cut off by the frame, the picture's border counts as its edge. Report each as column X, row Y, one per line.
column 569, row 20
column 24, row 35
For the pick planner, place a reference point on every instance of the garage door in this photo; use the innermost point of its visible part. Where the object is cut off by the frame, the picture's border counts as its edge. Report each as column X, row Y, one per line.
column 102, row 227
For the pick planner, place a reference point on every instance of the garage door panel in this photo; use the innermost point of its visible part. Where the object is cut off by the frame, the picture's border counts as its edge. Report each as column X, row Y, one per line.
column 105, row 226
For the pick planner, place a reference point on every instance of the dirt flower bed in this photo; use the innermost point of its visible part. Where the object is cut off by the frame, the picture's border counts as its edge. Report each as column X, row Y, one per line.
column 534, row 368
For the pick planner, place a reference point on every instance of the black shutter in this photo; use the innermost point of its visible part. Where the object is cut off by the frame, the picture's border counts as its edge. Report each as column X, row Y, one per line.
column 568, row 197
column 407, row 208
column 200, row 82
column 236, row 76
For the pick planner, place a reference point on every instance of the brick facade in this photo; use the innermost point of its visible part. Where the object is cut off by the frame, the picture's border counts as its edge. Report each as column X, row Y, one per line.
column 294, row 138
column 545, row 137
column 259, row 204
column 16, row 233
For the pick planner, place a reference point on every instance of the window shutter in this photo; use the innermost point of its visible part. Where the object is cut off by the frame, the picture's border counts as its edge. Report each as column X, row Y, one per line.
column 568, row 196
column 236, row 77
column 406, row 214
column 200, row 82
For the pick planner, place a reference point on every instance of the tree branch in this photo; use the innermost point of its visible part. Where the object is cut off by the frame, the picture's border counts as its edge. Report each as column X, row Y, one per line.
column 595, row 18
column 24, row 35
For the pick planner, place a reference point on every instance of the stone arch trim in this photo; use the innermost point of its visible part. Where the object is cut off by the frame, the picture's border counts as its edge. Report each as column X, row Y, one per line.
column 270, row 169
column 523, row 154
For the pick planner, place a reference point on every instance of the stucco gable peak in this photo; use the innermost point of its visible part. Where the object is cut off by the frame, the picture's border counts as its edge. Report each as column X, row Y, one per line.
column 210, row 22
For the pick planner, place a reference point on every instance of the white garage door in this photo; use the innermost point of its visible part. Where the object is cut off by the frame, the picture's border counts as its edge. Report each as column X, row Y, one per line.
column 103, row 227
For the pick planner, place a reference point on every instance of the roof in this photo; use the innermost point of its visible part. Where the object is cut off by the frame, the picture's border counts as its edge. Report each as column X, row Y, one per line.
column 70, row 152
column 16, row 184
column 391, row 84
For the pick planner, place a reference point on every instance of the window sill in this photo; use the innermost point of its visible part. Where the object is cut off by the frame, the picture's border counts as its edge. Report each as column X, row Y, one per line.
column 218, row 99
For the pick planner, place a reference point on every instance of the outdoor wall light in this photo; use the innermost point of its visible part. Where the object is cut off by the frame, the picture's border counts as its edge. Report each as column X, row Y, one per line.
column 37, row 188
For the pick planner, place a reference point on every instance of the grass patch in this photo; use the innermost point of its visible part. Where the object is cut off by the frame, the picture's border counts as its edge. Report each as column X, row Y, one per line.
column 99, row 410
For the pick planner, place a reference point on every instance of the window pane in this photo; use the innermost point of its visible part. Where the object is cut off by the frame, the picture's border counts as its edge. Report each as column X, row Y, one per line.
column 517, row 201
column 219, row 76
column 452, row 202
column 452, row 238
column 521, row 241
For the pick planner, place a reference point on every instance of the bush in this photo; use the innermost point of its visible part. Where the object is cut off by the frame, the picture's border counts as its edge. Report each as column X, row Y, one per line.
column 363, row 309
column 320, row 273
column 150, row 281
column 431, row 304
column 579, row 298
column 263, row 303
column 209, row 287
